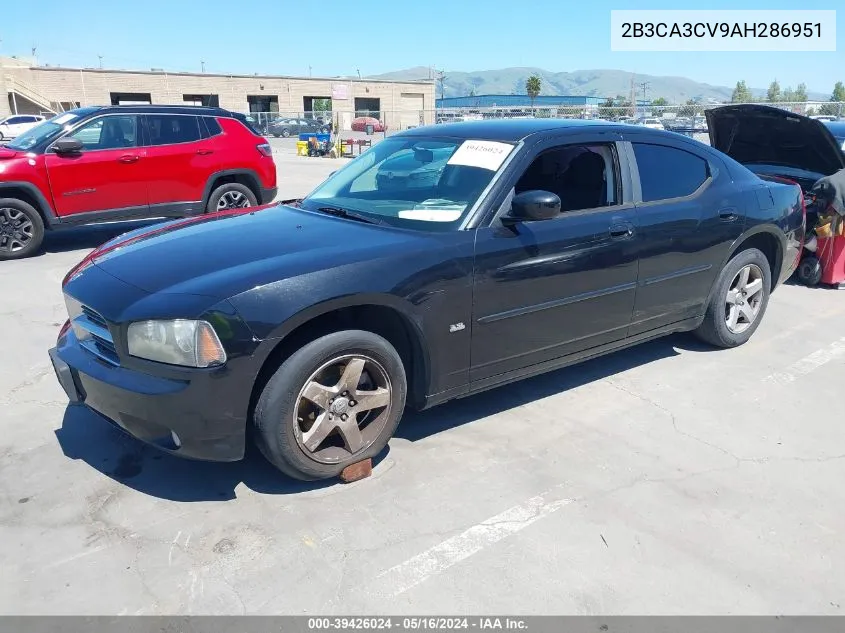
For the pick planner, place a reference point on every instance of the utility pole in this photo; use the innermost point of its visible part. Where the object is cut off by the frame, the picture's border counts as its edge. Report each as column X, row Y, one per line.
column 202, row 65
column 645, row 86
column 101, row 60
column 633, row 97
column 358, row 70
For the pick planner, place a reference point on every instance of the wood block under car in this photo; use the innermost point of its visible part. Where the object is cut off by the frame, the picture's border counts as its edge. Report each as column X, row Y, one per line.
column 356, row 471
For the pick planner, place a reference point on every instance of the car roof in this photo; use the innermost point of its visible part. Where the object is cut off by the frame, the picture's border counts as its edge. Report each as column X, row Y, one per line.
column 153, row 109
column 507, row 129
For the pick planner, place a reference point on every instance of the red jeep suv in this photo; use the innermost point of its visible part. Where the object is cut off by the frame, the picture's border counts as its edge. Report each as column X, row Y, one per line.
column 103, row 164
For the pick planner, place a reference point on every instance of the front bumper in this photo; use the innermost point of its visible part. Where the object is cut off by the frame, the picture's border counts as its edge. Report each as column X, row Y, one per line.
column 183, row 416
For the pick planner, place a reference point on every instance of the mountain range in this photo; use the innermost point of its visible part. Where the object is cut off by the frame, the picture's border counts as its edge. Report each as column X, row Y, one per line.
column 594, row 83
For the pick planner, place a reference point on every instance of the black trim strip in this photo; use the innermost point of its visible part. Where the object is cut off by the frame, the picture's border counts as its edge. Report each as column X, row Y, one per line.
column 557, row 303
column 676, row 274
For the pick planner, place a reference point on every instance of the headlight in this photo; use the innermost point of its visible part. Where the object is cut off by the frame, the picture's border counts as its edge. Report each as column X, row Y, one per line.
column 178, row 342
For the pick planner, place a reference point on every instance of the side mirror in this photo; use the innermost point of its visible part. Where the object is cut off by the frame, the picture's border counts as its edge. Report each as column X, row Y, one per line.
column 532, row 205
column 68, row 145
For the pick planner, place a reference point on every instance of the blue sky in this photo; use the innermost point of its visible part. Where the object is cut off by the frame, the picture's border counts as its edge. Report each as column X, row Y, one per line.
column 266, row 36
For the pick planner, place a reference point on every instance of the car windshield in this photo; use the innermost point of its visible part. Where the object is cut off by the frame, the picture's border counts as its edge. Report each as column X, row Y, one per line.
column 44, row 131
column 427, row 184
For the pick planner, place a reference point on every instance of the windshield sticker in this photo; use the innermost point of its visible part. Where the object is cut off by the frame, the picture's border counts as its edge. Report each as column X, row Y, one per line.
column 484, row 154
column 431, row 215
column 64, row 118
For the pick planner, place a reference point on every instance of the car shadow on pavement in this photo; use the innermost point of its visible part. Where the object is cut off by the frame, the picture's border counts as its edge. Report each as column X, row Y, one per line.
column 86, row 436
column 89, row 237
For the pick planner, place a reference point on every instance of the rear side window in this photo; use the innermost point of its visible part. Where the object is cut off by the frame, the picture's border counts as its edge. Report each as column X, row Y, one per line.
column 212, row 126
column 667, row 172
column 170, row 129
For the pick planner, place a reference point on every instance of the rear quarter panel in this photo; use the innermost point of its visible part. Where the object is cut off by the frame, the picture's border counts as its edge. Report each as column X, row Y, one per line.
column 238, row 150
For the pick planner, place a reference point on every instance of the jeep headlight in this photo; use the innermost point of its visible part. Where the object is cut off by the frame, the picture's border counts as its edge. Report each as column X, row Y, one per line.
column 176, row 342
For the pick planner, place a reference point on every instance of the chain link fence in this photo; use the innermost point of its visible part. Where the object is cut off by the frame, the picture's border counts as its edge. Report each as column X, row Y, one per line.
column 688, row 119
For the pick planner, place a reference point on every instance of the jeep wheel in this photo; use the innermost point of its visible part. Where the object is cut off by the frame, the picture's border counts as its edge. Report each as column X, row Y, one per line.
column 21, row 229
column 739, row 300
column 231, row 195
column 334, row 402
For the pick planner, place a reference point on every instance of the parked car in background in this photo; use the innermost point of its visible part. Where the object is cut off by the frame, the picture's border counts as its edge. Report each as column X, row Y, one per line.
column 360, row 124
column 651, row 122
column 102, row 164
column 16, row 124
column 539, row 244
column 824, row 117
column 286, row 127
column 837, row 128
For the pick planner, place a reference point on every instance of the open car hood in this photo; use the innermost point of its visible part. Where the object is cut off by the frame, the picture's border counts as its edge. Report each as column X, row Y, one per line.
column 765, row 135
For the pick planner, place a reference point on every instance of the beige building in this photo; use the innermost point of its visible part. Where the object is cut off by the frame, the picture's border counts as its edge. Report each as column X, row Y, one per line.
column 33, row 89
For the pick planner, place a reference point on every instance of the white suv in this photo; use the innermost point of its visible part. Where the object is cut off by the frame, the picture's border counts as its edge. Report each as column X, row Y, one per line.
column 17, row 124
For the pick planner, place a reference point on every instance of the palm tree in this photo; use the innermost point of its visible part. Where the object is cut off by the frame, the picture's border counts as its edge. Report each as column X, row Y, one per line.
column 533, row 85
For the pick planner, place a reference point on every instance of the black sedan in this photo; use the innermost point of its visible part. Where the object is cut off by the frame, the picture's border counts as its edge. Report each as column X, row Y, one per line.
column 538, row 244
column 294, row 127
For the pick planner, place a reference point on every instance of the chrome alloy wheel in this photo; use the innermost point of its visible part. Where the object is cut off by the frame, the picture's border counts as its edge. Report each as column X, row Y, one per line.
column 342, row 409
column 744, row 299
column 232, row 200
column 15, row 230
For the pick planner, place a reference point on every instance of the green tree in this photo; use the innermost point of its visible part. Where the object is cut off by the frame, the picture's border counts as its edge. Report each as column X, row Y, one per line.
column 788, row 95
column 741, row 93
column 773, row 94
column 533, row 85
column 801, row 92
column 835, row 107
column 660, row 101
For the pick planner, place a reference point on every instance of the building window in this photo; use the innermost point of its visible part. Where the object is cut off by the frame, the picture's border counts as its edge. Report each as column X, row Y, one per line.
column 130, row 98
column 211, row 101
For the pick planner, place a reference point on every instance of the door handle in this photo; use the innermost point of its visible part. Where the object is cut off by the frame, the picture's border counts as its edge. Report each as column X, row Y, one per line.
column 204, row 152
column 728, row 215
column 621, row 231
column 129, row 158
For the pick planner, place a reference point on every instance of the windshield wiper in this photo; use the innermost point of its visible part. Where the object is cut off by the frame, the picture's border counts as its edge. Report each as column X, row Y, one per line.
column 350, row 215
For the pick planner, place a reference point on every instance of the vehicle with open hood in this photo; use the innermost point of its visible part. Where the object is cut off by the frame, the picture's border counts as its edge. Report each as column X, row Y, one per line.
column 775, row 142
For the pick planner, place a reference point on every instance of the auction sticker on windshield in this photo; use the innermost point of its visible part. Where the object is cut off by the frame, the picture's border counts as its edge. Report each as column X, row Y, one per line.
column 484, row 154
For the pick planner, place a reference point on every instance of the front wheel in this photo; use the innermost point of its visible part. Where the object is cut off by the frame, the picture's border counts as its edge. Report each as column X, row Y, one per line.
column 739, row 300
column 810, row 271
column 21, row 229
column 334, row 402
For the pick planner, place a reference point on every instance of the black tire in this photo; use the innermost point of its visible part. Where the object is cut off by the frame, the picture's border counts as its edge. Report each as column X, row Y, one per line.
column 230, row 188
column 714, row 329
column 274, row 417
column 810, row 271
column 27, row 215
column 286, row 132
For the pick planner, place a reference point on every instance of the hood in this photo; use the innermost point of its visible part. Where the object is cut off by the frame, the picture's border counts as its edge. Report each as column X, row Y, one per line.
column 765, row 135
column 6, row 153
column 222, row 254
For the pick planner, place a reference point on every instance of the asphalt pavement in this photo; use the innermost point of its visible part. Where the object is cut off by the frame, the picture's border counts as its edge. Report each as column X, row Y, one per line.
column 666, row 479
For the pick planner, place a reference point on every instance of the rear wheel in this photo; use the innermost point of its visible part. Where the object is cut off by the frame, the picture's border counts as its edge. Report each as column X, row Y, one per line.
column 739, row 300
column 21, row 229
column 334, row 402
column 286, row 132
column 231, row 195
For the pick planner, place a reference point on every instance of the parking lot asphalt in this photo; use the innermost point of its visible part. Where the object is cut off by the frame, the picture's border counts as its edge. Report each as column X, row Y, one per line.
column 666, row 479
